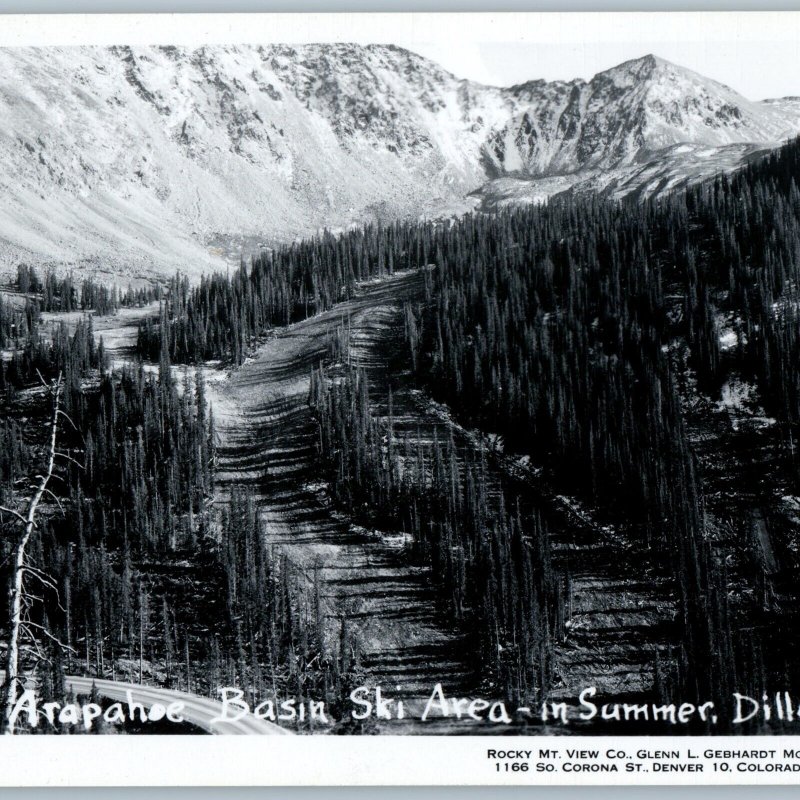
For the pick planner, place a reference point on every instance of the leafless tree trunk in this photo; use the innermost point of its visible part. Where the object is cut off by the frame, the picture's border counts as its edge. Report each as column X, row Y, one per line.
column 20, row 567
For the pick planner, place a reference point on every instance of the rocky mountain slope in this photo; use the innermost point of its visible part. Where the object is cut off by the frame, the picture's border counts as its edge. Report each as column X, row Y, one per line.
column 139, row 161
column 624, row 114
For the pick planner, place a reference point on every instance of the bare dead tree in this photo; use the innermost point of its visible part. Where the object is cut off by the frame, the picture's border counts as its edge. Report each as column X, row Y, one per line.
column 20, row 627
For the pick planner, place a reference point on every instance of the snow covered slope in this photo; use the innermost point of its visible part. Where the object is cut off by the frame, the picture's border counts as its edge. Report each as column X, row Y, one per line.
column 625, row 115
column 140, row 161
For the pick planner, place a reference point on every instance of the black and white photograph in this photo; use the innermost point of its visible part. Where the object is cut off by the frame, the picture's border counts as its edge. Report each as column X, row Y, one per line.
column 442, row 383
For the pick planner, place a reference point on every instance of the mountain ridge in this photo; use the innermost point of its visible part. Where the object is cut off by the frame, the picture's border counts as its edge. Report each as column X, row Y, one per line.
column 143, row 160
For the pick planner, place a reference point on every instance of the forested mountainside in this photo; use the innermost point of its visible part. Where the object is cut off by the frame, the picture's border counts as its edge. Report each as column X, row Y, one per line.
column 630, row 367
column 134, row 573
column 641, row 357
column 162, row 158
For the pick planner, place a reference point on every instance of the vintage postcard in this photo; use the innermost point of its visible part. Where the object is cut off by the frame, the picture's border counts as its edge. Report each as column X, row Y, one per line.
column 418, row 391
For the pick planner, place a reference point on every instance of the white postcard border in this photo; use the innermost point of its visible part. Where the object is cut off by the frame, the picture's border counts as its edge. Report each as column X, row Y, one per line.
column 393, row 760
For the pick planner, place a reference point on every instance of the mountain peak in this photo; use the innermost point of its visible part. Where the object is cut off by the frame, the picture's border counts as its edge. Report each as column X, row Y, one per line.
column 626, row 114
column 652, row 69
column 645, row 68
column 649, row 61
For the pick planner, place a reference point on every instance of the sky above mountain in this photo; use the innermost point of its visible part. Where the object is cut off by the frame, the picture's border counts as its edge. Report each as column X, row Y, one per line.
column 752, row 52
column 509, row 63
column 749, row 52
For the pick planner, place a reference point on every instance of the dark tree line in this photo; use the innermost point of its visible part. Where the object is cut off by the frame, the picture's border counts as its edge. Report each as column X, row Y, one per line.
column 225, row 315
column 44, row 357
column 276, row 625
column 549, row 327
column 63, row 293
column 16, row 322
column 144, row 576
column 562, row 328
column 139, row 470
column 489, row 558
column 28, row 280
